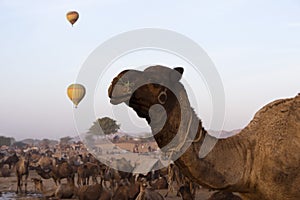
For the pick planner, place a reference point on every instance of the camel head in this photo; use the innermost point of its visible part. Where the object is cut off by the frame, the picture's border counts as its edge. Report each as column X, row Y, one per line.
column 141, row 90
column 38, row 184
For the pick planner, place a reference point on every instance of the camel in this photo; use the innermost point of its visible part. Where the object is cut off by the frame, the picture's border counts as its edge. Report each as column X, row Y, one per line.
column 185, row 193
column 47, row 192
column 11, row 160
column 148, row 194
column 62, row 170
column 5, row 171
column 93, row 192
column 86, row 170
column 261, row 162
column 64, row 190
column 188, row 189
column 22, row 170
column 126, row 191
column 111, row 175
column 160, row 183
column 45, row 174
column 46, row 162
column 56, row 172
column 114, row 175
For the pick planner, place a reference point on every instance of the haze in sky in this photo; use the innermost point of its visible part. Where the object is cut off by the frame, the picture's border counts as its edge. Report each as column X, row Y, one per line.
column 254, row 45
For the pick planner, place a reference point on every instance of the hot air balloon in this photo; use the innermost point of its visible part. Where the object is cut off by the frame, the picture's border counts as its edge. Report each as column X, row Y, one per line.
column 72, row 17
column 76, row 93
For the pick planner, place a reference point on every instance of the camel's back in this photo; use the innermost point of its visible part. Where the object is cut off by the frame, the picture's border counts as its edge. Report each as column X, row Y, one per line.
column 277, row 124
column 275, row 133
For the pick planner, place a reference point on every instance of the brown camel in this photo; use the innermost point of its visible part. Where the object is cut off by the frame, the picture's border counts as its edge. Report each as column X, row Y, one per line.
column 46, row 162
column 261, row 162
column 5, row 171
column 126, row 191
column 62, row 170
column 93, row 192
column 159, row 184
column 64, row 190
column 38, row 185
column 148, row 194
column 113, row 176
column 22, row 170
column 56, row 172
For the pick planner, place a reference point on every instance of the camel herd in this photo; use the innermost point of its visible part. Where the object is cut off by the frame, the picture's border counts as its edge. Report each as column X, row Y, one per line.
column 89, row 179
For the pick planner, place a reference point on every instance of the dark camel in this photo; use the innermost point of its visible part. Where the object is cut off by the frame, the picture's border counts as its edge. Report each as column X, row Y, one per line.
column 87, row 170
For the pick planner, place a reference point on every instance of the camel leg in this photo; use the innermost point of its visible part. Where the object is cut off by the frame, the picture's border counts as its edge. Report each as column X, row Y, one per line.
column 94, row 180
column 19, row 184
column 112, row 185
column 22, row 182
column 105, row 184
column 55, row 180
column 26, row 177
column 78, row 180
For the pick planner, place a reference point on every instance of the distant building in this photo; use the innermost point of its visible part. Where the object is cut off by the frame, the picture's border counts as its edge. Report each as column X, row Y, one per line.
column 6, row 141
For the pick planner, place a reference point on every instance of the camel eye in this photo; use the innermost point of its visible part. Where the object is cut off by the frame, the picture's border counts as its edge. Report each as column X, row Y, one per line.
column 124, row 81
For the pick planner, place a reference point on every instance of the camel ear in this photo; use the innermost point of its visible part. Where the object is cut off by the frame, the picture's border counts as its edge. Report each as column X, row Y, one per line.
column 176, row 74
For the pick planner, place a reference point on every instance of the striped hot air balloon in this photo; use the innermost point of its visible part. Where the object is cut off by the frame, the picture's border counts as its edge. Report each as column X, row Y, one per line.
column 76, row 93
column 72, row 17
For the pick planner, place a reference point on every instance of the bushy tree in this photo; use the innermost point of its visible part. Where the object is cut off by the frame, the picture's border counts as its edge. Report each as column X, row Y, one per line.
column 104, row 126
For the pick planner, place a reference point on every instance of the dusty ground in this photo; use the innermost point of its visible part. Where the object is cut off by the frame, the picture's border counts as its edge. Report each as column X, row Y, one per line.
column 8, row 186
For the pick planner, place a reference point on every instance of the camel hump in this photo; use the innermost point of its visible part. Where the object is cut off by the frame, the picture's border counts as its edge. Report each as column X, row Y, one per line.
column 280, row 116
column 280, row 105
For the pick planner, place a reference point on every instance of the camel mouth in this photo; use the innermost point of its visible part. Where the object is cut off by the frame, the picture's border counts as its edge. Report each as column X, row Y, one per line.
column 120, row 99
column 134, row 104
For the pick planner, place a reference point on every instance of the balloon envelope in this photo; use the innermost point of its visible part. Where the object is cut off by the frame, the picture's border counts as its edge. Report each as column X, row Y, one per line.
column 76, row 93
column 72, row 17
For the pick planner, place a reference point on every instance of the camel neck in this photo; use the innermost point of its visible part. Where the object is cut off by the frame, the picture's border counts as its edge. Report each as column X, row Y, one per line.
column 181, row 120
column 215, row 169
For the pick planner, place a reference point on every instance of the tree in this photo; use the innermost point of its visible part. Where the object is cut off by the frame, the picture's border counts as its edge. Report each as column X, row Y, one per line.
column 65, row 140
column 104, row 125
column 6, row 141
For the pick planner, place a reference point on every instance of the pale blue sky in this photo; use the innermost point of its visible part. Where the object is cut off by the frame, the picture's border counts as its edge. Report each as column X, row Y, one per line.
column 255, row 46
